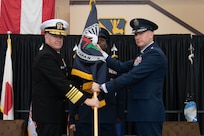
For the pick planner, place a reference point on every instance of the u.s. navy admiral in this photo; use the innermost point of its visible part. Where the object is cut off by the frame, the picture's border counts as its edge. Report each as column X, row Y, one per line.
column 50, row 85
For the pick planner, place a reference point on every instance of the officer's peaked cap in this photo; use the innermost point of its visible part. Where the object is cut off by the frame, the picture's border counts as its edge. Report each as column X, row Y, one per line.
column 104, row 34
column 142, row 25
column 54, row 26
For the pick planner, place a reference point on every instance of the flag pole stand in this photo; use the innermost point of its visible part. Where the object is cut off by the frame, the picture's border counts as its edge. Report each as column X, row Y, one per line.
column 95, row 118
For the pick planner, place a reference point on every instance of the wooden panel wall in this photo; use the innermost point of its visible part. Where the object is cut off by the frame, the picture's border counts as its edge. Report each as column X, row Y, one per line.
column 62, row 10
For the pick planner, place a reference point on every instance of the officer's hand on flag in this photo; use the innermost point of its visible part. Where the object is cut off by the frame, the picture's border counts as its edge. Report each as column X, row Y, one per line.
column 92, row 102
column 72, row 127
column 95, row 87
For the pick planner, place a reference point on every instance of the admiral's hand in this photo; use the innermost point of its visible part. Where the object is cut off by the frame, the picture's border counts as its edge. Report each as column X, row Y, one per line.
column 92, row 102
column 95, row 87
column 72, row 127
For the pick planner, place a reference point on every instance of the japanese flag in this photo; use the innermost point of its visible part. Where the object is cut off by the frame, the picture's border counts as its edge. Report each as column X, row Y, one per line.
column 6, row 103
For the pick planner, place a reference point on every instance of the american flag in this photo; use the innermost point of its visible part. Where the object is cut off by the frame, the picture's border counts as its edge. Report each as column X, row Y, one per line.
column 25, row 16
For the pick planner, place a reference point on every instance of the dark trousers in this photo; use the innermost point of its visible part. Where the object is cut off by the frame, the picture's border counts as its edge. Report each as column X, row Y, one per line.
column 148, row 128
column 119, row 128
column 49, row 129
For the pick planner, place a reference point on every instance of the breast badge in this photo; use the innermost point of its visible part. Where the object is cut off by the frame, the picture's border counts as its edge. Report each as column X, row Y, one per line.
column 137, row 61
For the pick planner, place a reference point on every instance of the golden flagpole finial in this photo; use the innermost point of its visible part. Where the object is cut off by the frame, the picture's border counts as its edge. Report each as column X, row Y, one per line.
column 90, row 3
column 9, row 33
column 9, row 41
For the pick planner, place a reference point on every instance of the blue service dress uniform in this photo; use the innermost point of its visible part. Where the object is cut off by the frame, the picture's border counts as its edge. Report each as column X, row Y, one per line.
column 145, row 82
column 120, row 106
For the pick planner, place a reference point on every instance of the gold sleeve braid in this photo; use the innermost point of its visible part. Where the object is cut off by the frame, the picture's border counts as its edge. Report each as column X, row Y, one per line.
column 87, row 86
column 74, row 94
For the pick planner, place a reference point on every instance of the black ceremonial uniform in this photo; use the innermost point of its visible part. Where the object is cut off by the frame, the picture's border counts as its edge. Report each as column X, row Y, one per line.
column 50, row 87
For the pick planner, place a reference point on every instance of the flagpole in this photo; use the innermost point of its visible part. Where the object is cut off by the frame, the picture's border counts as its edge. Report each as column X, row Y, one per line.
column 7, row 106
column 9, row 41
column 8, row 33
column 95, row 117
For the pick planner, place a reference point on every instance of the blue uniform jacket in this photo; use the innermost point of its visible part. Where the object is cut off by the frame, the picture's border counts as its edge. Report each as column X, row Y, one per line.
column 145, row 82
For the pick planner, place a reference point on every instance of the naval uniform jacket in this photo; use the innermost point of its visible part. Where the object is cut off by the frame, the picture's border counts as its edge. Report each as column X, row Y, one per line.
column 145, row 83
column 50, row 87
